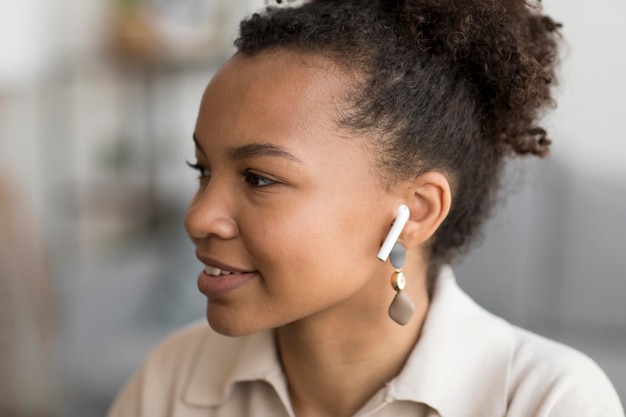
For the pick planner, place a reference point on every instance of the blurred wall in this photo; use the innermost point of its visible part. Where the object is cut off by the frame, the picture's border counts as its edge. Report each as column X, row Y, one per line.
column 96, row 114
column 553, row 258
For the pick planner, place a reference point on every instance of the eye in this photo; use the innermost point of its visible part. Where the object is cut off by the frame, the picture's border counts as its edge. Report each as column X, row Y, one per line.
column 256, row 180
column 202, row 170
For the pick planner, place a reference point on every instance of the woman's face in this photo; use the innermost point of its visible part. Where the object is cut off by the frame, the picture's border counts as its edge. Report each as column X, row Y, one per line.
column 286, row 200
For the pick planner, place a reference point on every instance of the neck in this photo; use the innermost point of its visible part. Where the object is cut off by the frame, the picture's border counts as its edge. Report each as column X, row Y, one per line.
column 335, row 362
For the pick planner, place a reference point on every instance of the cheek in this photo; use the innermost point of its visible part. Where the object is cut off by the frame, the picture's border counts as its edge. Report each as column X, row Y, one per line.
column 314, row 237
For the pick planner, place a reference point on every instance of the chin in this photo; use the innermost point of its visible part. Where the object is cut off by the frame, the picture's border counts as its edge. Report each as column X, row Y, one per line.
column 229, row 323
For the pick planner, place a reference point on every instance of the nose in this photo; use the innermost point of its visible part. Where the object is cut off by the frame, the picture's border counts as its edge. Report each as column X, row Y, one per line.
column 209, row 214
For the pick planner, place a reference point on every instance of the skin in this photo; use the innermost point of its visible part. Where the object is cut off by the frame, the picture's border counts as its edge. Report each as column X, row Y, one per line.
column 307, row 212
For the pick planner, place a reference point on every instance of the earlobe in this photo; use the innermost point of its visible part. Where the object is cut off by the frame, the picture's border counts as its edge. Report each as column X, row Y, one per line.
column 429, row 204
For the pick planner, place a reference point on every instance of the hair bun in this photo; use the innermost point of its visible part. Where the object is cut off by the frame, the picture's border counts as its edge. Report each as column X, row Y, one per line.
column 506, row 49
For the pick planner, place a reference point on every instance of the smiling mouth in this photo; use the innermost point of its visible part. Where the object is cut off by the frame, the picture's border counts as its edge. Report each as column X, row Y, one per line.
column 215, row 282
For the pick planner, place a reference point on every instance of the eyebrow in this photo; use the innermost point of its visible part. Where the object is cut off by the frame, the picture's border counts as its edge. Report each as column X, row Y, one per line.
column 262, row 149
column 255, row 150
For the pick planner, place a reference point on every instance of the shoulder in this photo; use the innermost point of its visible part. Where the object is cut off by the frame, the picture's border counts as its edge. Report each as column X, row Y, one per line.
column 547, row 378
column 493, row 368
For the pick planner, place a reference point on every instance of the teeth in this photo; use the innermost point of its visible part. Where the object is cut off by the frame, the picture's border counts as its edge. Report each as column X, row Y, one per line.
column 216, row 272
column 213, row 271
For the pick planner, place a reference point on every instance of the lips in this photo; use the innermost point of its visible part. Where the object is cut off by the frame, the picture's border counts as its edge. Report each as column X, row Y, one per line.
column 218, row 279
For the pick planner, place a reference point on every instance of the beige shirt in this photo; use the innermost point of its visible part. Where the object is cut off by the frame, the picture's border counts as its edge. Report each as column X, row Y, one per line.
column 467, row 363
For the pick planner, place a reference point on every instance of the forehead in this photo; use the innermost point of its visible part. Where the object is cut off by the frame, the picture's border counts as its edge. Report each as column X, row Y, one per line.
column 310, row 76
column 276, row 94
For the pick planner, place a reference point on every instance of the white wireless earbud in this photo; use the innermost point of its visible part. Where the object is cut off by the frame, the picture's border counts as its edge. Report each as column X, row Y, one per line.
column 396, row 228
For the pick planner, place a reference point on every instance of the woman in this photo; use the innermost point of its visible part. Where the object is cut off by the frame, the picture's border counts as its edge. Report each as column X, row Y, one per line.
column 343, row 134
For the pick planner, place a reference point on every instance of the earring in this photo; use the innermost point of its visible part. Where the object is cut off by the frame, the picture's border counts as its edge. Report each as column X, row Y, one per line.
column 401, row 308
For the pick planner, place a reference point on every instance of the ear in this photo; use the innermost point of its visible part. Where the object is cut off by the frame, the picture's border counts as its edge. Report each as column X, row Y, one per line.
column 429, row 198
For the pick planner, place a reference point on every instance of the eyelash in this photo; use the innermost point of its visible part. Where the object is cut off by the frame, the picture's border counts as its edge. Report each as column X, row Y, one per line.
column 202, row 170
column 249, row 177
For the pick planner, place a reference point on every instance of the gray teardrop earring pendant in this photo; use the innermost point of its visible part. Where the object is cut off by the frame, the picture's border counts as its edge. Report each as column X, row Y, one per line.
column 401, row 308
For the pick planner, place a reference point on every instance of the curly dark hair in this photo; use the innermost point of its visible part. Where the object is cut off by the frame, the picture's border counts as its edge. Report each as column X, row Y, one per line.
column 449, row 85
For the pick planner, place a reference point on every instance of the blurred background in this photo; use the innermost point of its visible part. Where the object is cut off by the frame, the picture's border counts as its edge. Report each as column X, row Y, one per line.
column 98, row 99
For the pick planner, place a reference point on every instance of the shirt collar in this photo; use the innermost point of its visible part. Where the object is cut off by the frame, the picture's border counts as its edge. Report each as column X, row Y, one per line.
column 460, row 364
column 233, row 360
